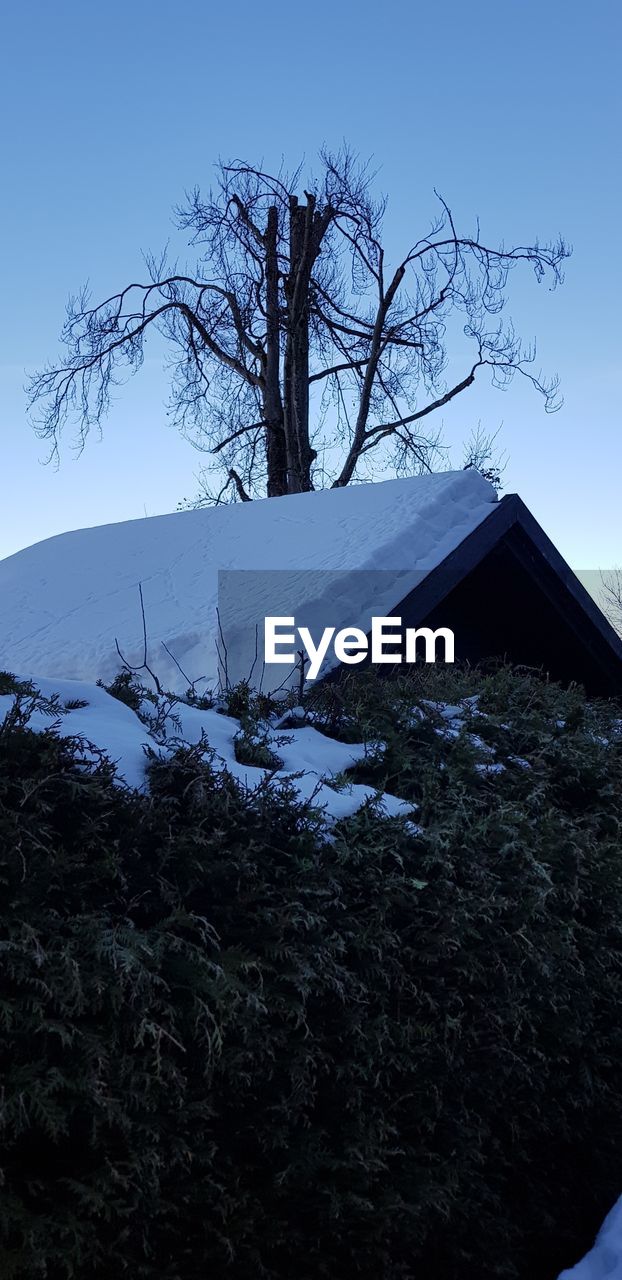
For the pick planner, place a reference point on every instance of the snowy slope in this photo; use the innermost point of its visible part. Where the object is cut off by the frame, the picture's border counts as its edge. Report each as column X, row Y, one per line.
column 63, row 601
column 604, row 1261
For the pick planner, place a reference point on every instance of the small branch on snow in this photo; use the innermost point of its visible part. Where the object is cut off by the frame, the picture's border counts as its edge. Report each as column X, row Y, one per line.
column 143, row 666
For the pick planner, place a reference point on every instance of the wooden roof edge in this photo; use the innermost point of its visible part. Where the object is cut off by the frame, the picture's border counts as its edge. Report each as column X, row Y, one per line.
column 523, row 517
column 507, row 515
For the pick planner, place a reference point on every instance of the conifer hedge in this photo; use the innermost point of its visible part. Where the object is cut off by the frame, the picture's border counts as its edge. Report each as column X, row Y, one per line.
column 234, row 1043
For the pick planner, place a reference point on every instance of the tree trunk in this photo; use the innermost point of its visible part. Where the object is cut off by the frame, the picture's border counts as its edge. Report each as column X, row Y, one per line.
column 302, row 255
column 276, row 455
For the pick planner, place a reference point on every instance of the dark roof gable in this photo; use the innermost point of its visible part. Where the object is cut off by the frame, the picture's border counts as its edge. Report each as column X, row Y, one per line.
column 504, row 571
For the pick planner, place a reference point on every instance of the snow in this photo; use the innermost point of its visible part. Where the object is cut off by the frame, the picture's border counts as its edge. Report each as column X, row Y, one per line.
column 106, row 723
column 340, row 553
column 604, row 1261
column 309, row 759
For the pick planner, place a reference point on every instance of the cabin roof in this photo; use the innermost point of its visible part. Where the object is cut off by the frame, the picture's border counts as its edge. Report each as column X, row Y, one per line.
column 332, row 557
column 67, row 599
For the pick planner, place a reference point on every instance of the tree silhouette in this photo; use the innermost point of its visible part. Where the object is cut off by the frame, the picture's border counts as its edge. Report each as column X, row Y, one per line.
column 292, row 334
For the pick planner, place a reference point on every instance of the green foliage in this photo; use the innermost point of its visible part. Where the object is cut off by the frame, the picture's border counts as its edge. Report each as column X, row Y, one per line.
column 202, row 701
column 126, row 688
column 244, row 703
column 8, row 683
column 253, row 746
column 230, row 1045
column 252, row 710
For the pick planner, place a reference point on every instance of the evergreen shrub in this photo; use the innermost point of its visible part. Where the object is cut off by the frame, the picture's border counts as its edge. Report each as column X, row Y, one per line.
column 235, row 1042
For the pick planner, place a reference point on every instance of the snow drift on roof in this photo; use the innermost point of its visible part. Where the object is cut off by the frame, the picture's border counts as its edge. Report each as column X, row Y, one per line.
column 64, row 600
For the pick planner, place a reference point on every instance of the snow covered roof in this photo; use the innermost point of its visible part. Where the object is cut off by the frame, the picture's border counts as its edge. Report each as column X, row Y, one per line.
column 65, row 600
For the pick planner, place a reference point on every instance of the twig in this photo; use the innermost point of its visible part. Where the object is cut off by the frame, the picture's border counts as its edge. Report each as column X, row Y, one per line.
column 224, row 650
column 191, row 683
column 301, row 681
column 144, row 666
column 256, row 653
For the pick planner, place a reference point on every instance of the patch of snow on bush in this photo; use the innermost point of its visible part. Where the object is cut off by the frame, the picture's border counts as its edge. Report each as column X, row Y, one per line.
column 309, row 759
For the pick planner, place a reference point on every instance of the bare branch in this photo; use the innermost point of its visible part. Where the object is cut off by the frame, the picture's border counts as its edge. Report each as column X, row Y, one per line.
column 235, row 435
column 337, row 368
column 241, row 491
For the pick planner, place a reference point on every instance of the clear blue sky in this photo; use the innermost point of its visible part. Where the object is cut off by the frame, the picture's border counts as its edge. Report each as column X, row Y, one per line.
column 513, row 111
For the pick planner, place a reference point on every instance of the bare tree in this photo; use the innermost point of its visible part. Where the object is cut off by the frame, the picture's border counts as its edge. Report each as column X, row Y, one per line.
column 611, row 585
column 291, row 335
